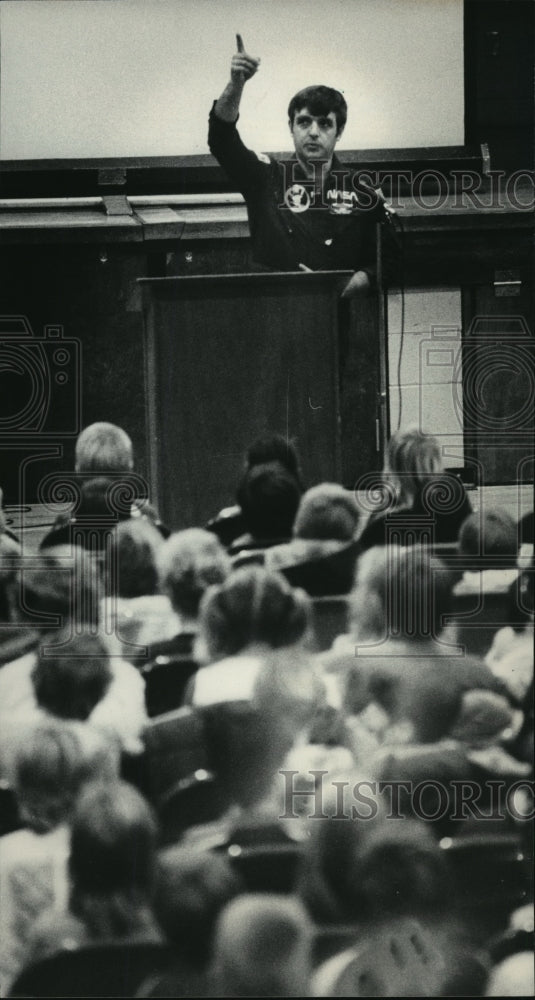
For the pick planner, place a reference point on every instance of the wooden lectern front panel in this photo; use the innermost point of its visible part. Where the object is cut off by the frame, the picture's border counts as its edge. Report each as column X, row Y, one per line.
column 229, row 359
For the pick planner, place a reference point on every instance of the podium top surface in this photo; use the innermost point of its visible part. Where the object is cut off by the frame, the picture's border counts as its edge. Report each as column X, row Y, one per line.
column 195, row 282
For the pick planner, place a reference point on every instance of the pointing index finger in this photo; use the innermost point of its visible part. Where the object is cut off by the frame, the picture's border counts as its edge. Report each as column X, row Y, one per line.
column 239, row 43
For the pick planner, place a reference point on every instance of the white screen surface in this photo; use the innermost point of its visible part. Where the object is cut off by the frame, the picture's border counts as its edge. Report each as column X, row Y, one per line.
column 114, row 78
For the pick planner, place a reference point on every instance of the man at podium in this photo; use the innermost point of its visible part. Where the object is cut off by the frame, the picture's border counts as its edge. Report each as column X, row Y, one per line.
column 305, row 213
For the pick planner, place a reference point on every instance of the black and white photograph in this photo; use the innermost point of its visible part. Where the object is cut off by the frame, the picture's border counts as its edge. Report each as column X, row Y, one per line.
column 267, row 428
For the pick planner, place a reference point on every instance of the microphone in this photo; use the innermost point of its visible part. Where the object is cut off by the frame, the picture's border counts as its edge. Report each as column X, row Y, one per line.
column 389, row 211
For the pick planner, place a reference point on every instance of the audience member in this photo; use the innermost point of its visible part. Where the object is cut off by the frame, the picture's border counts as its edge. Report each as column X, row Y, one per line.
column 70, row 676
column 103, row 447
column 229, row 523
column 514, row 977
column 490, row 539
column 322, row 554
column 269, row 497
column 262, row 948
column 51, row 766
column 111, row 870
column 106, row 488
column 398, row 608
column 192, row 888
column 70, row 682
column 136, row 613
column 422, row 501
column 390, row 879
column 241, row 621
column 189, row 562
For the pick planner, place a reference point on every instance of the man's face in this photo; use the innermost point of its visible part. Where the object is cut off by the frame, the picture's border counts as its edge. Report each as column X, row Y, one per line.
column 314, row 136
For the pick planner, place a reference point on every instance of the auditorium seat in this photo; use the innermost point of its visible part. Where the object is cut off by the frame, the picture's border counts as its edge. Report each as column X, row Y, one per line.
column 107, row 970
column 166, row 679
column 476, row 618
column 330, row 575
column 330, row 618
column 269, row 867
column 174, row 749
column 494, row 876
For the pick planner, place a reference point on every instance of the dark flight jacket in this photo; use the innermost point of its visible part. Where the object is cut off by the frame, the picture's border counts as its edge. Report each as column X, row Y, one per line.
column 289, row 224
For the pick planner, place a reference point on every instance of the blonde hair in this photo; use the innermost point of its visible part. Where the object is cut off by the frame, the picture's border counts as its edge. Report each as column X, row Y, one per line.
column 412, row 458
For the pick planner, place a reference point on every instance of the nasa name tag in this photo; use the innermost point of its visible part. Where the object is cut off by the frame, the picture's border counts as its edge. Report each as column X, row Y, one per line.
column 342, row 202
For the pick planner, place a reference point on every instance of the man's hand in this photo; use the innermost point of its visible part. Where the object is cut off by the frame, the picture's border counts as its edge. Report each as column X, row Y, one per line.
column 243, row 66
column 358, row 284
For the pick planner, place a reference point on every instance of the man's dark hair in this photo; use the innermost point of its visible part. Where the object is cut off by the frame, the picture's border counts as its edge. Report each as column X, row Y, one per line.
column 274, row 449
column 269, row 497
column 70, row 683
column 319, row 100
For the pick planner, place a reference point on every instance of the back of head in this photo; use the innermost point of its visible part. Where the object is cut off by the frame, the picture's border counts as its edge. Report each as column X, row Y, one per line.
column 262, row 948
column 245, row 748
column 191, row 890
column 327, row 511
column 403, row 592
column 514, row 977
column 402, row 872
column 319, row 100
column 424, row 702
column 103, row 447
column 113, row 842
column 53, row 764
column 274, row 449
column 269, row 497
column 55, row 592
column 252, row 606
column 189, row 562
column 289, row 692
column 412, row 458
column 72, row 675
column 132, row 569
column 489, row 533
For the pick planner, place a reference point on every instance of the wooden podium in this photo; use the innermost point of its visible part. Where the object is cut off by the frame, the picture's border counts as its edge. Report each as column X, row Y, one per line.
column 230, row 358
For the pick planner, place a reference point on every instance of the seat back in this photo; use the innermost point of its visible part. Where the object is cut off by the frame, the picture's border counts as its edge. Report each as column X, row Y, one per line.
column 266, row 867
column 327, row 575
column 174, row 749
column 110, row 970
column 477, row 617
column 330, row 618
column 166, row 679
column 494, row 876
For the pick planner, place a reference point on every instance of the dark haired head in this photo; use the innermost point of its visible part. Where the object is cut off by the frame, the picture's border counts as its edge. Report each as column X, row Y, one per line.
column 191, row 890
column 402, row 871
column 368, row 872
column 319, row 100
column 72, row 677
column 274, row 449
column 269, row 497
column 134, row 549
column 112, row 861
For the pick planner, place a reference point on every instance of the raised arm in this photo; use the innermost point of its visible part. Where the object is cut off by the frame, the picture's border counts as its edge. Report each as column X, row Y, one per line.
column 242, row 68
